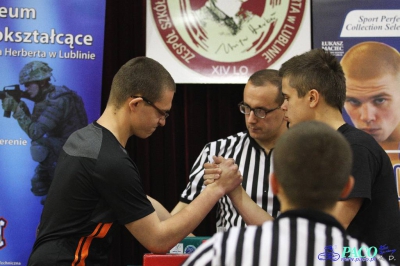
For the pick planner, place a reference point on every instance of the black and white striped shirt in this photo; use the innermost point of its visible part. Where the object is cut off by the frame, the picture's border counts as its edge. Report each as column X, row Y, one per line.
column 300, row 238
column 254, row 164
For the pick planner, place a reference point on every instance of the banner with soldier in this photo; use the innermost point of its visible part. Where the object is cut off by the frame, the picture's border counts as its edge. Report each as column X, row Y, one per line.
column 50, row 86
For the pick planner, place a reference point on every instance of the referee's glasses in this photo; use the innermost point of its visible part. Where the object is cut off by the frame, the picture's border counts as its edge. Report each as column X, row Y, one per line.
column 259, row 112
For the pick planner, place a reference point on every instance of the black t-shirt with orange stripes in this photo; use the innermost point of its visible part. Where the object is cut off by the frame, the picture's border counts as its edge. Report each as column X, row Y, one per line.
column 96, row 185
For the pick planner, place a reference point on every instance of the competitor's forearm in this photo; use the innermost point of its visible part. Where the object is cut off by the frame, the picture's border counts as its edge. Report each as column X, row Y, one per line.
column 251, row 213
column 180, row 206
column 162, row 212
column 160, row 236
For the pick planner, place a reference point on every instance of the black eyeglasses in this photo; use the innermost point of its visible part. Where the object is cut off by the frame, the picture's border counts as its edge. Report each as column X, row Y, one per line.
column 259, row 112
column 163, row 113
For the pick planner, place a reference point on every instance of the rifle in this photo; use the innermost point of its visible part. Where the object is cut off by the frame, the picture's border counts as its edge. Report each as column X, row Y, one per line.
column 16, row 93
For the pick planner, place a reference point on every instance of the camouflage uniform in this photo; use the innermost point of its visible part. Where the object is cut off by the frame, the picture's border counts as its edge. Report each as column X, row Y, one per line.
column 58, row 111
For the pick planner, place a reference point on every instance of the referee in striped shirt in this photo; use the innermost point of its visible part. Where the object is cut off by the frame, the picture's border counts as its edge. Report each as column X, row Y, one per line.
column 310, row 157
column 262, row 98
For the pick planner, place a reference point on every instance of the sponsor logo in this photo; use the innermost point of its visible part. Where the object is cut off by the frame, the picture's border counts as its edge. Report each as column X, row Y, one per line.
column 336, row 48
column 189, row 249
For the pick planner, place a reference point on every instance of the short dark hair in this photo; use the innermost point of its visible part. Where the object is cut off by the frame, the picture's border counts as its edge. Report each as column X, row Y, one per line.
column 264, row 76
column 140, row 76
column 320, row 70
column 312, row 162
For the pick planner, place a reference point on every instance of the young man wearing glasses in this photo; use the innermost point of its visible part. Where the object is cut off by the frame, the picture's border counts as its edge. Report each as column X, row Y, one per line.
column 97, row 186
column 264, row 120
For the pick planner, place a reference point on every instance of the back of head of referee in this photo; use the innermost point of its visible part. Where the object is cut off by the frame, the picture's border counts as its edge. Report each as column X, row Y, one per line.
column 312, row 167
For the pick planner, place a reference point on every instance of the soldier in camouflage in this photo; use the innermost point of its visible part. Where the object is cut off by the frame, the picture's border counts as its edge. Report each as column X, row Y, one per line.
column 57, row 112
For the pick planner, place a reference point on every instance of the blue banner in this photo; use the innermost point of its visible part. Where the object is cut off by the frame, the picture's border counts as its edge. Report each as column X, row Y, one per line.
column 51, row 60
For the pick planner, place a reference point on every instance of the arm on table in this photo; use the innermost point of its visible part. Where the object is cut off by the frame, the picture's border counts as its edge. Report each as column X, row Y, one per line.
column 180, row 206
column 160, row 236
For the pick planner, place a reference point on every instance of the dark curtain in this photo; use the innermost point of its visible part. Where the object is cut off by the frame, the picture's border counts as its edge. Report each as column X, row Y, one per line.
column 201, row 113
